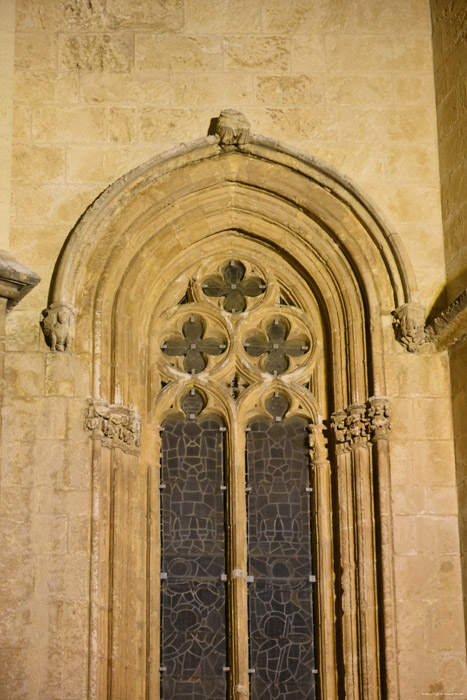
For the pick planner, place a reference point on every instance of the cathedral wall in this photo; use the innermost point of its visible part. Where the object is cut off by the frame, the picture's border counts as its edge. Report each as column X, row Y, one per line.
column 450, row 67
column 99, row 88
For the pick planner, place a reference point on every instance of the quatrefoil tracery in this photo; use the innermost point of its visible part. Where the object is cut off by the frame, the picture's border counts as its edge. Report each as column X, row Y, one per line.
column 233, row 286
column 278, row 346
column 193, row 345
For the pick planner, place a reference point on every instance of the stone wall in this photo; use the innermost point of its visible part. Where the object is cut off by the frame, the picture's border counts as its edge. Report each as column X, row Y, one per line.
column 100, row 87
column 450, row 64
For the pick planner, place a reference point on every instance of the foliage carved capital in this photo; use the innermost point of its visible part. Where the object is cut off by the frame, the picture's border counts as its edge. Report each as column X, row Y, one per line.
column 114, row 426
column 359, row 423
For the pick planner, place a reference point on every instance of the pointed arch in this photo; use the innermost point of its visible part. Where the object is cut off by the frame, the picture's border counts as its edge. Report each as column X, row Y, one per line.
column 129, row 259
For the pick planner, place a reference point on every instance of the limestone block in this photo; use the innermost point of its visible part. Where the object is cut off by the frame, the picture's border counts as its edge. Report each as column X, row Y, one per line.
column 175, row 52
column 352, row 53
column 32, row 205
column 214, row 89
column 79, row 532
column 266, row 54
column 12, row 674
column 401, row 463
column 122, row 124
column 107, row 52
column 307, row 53
column 125, row 89
column 211, row 16
column 436, row 535
column 412, row 624
column 408, row 500
column 442, row 501
column 413, row 89
column 289, row 90
column 22, row 123
column 159, row 15
column 37, row 245
column 434, row 464
column 357, row 161
column 24, row 373
column 35, row 51
column 15, row 537
column 20, row 582
column 32, row 162
column 443, row 628
column 18, row 463
column 32, row 86
column 404, row 534
column 164, row 126
column 59, row 374
column 432, row 674
column 49, row 534
column 68, row 622
column 56, row 501
column 63, row 578
column 401, row 124
column 75, row 124
column 15, row 621
column 16, row 502
column 302, row 124
column 307, row 17
column 434, row 419
column 49, row 15
column 357, row 90
column 427, row 576
column 396, row 17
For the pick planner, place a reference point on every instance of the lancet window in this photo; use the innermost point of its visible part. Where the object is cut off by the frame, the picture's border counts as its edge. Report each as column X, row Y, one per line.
column 236, row 373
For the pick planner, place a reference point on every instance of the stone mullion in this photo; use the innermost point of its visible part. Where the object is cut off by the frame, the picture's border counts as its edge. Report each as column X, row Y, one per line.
column 101, row 563
column 379, row 428
column 322, row 510
column 237, row 566
column 366, row 573
column 348, row 567
column 153, row 561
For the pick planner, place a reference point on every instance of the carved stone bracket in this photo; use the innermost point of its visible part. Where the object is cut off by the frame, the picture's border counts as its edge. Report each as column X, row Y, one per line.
column 115, row 426
column 232, row 129
column 409, row 325
column 360, row 423
column 57, row 326
column 450, row 326
column 16, row 280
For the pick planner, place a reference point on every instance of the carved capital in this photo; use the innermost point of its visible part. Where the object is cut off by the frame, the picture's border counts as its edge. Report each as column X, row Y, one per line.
column 360, row 422
column 409, row 325
column 57, row 325
column 379, row 415
column 115, row 426
column 232, row 128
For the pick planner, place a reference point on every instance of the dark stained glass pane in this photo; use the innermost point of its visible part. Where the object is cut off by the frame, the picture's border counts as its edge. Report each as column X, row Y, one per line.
column 193, row 646
column 279, row 542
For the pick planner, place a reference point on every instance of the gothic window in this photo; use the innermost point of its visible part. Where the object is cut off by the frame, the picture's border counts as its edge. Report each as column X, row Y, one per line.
column 235, row 369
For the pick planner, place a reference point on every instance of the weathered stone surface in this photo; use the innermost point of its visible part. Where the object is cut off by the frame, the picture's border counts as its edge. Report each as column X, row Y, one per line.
column 212, row 17
column 101, row 52
column 16, row 280
column 160, row 52
column 282, row 90
column 266, row 54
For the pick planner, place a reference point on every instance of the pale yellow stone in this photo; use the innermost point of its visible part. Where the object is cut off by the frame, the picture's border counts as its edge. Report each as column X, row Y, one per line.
column 104, row 164
column 436, row 674
column 402, row 204
column 156, row 52
column 396, row 17
column 215, row 89
column 412, row 163
column 59, row 378
column 160, row 15
column 289, row 90
column 369, row 89
column 75, row 124
column 300, row 124
column 229, row 16
column 413, row 89
column 442, row 501
column 33, row 162
column 443, row 629
column 164, row 125
column 31, row 205
column 35, row 51
column 307, row 54
column 34, row 87
column 125, row 89
column 424, row 246
column 412, row 623
column 353, row 160
column 15, row 621
column 404, row 534
column 351, row 53
column 22, row 331
column 49, row 15
column 434, row 419
column 408, row 500
column 122, row 124
column 49, row 534
column 401, row 463
column 108, row 52
column 307, row 17
column 434, row 463
column 37, row 244
column 409, row 124
column 22, row 123
column 25, row 373
column 62, row 501
column 79, row 533
column 265, row 54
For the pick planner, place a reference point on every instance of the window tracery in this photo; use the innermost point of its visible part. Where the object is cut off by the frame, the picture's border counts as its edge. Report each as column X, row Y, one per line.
column 229, row 340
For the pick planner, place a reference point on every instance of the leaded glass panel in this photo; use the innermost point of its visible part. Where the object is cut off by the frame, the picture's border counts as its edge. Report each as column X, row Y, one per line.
column 193, row 646
column 279, row 542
